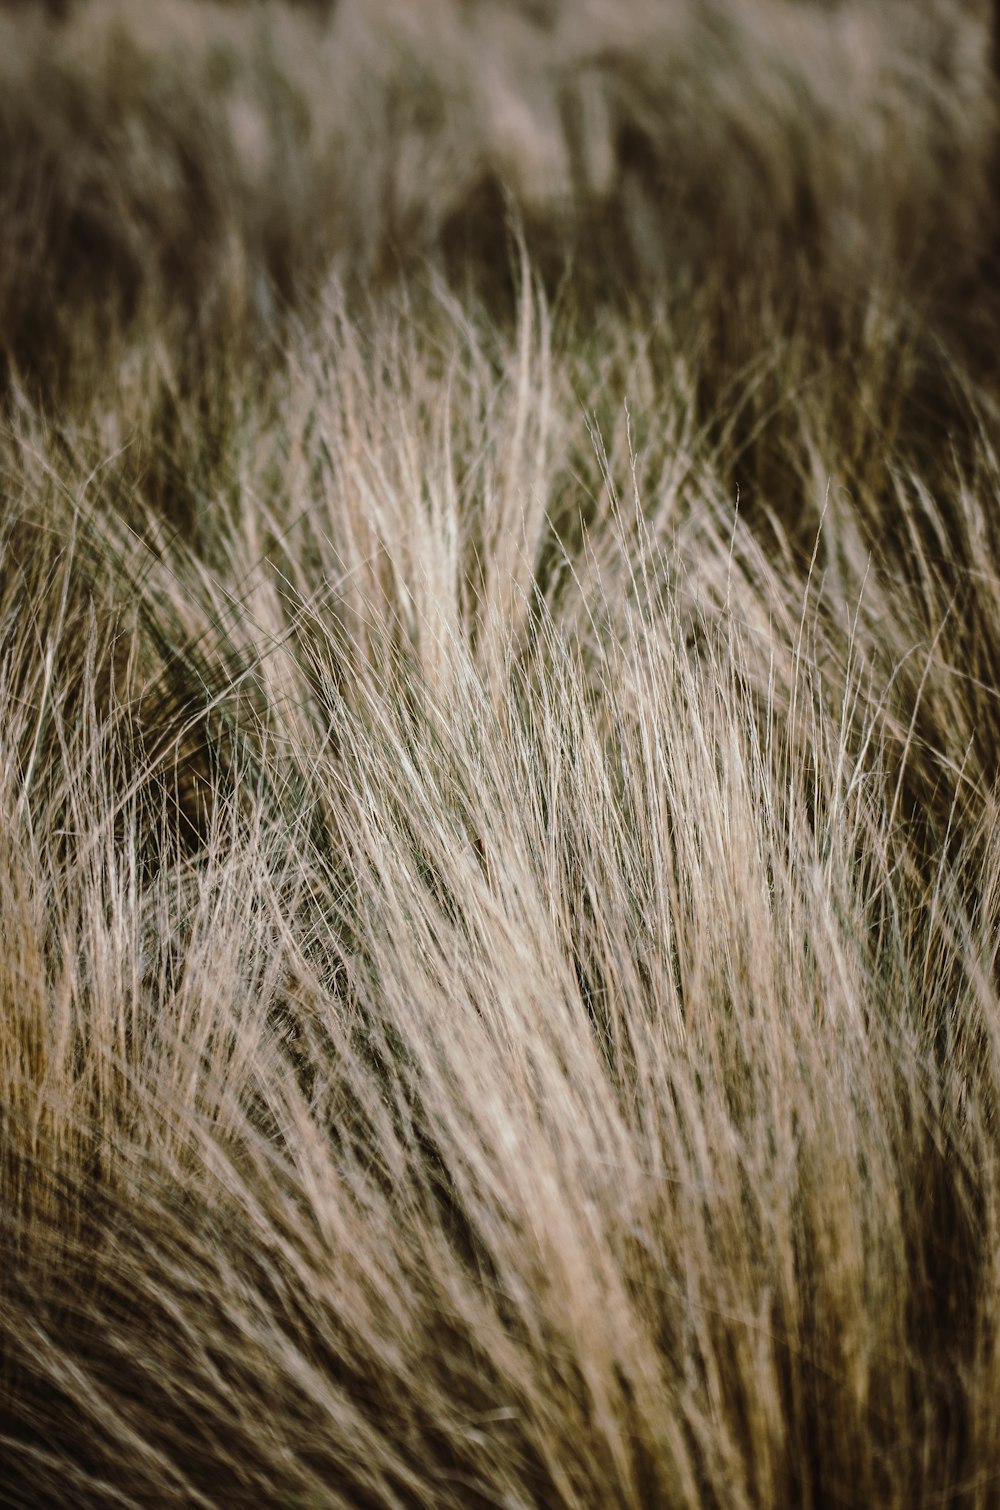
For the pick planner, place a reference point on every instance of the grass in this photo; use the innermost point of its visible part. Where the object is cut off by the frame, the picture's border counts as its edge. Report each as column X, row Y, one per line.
column 499, row 664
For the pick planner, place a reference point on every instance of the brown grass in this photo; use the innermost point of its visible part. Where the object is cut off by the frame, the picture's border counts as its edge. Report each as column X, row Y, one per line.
column 499, row 665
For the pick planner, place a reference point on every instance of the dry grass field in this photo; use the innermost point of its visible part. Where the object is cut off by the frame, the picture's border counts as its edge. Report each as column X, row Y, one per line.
column 499, row 730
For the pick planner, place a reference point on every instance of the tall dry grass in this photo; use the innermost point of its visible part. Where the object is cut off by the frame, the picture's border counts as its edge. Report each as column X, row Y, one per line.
column 499, row 654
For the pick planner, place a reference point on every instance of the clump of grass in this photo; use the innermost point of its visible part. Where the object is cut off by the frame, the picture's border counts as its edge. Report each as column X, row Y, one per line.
column 498, row 803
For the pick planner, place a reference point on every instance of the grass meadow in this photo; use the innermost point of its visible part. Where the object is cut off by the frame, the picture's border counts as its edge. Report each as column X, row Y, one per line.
column 499, row 723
